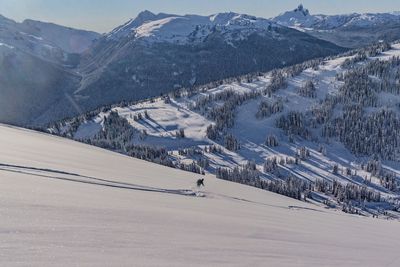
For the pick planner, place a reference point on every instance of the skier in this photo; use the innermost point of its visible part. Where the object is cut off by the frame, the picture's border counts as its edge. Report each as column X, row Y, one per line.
column 200, row 182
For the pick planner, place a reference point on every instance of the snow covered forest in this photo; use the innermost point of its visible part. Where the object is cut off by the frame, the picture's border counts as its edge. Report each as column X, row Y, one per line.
column 326, row 131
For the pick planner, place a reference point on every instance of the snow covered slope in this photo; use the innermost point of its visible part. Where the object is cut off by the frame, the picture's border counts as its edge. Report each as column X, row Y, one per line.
column 64, row 203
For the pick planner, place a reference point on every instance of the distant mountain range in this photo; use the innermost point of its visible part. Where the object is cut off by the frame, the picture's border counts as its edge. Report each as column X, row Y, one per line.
column 349, row 30
column 48, row 72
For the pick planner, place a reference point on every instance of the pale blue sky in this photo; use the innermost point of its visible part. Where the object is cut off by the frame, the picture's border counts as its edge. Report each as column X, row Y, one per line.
column 104, row 15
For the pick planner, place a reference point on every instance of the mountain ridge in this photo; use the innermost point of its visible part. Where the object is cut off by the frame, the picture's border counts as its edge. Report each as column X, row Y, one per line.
column 349, row 30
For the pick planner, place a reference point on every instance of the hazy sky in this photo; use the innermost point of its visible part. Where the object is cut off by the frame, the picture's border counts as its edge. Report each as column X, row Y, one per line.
column 104, row 15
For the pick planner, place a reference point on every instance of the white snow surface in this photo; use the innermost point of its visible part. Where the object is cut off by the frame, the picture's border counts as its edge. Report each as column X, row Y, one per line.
column 63, row 203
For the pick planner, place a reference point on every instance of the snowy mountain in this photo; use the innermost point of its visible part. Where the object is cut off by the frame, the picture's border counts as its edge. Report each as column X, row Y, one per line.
column 190, row 28
column 36, row 59
column 330, row 127
column 130, row 26
column 149, row 55
column 47, row 41
column 301, row 18
column 349, row 30
column 30, row 85
column 154, row 54
column 88, row 206
column 68, row 39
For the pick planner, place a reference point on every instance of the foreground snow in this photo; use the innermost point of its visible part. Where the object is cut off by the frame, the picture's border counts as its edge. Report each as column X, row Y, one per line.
column 64, row 203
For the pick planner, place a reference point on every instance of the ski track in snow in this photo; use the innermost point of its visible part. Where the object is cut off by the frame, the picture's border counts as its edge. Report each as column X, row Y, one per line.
column 48, row 173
